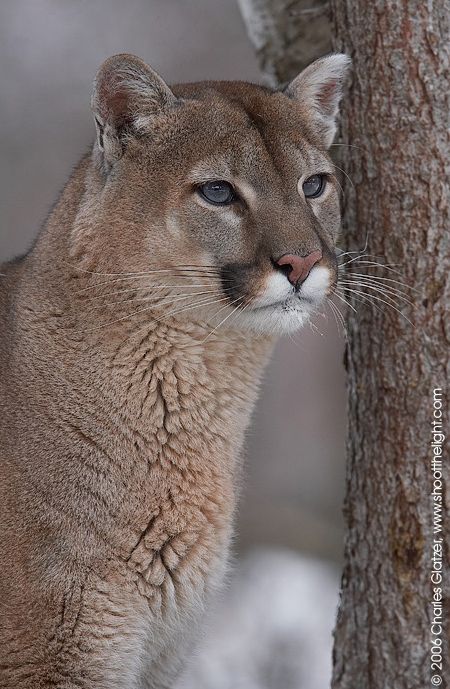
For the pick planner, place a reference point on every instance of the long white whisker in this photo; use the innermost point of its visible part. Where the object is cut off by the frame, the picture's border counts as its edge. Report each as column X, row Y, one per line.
column 239, row 299
column 351, row 285
column 178, row 311
column 367, row 276
column 328, row 303
column 193, row 306
column 141, row 277
column 346, row 302
column 164, row 300
column 343, row 171
column 184, row 267
column 220, row 311
column 386, row 266
column 350, row 146
column 316, row 329
column 360, row 252
column 153, row 297
column 364, row 300
column 148, row 288
column 373, row 282
column 230, row 303
column 373, row 296
column 361, row 255
column 340, row 186
column 341, row 318
column 338, row 317
column 118, row 320
column 388, row 291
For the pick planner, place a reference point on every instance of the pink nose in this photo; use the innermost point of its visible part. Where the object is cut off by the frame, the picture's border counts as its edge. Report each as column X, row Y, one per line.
column 299, row 267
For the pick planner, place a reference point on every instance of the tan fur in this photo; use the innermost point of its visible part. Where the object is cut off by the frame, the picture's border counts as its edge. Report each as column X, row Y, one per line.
column 123, row 415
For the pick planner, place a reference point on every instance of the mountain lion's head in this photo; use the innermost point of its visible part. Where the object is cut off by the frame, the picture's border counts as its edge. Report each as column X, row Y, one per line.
column 219, row 190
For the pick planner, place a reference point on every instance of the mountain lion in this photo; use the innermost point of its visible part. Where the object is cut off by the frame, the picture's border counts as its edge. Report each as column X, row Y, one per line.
column 201, row 225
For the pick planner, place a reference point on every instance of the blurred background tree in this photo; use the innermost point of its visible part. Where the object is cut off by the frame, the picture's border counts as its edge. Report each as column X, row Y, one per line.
column 287, row 34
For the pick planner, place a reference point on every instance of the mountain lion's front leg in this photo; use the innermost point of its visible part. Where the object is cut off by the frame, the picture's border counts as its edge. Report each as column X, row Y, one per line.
column 91, row 635
column 111, row 630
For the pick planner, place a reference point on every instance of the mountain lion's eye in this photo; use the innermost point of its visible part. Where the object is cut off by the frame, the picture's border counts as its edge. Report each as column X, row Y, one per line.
column 314, row 186
column 219, row 193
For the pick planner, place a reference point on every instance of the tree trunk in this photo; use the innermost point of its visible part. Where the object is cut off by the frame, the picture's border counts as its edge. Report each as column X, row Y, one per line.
column 395, row 113
column 394, row 120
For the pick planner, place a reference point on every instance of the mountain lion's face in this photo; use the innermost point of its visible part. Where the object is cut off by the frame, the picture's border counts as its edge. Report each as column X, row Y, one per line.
column 222, row 190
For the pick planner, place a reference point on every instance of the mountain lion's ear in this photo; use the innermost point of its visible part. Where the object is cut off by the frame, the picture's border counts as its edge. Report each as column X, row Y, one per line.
column 125, row 89
column 319, row 89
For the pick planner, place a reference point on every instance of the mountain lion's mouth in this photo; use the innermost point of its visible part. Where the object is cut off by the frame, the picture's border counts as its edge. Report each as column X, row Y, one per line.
column 292, row 302
column 280, row 309
column 312, row 292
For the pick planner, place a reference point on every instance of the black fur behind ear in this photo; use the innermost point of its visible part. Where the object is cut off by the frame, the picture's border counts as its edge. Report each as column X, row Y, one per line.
column 125, row 88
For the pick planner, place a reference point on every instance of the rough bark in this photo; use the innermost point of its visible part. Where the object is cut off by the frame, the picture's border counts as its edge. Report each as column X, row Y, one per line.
column 394, row 120
column 395, row 113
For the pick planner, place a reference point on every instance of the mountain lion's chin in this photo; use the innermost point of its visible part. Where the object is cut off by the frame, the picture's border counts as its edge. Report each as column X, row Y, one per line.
column 278, row 319
column 280, row 309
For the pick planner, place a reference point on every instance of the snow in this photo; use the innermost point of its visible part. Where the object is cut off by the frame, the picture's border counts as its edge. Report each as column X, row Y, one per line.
column 273, row 628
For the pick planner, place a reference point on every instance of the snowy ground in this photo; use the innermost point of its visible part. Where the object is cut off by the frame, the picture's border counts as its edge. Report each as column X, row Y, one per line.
column 273, row 628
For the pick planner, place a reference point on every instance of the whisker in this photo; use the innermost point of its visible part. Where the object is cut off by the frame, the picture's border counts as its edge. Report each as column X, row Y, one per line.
column 296, row 340
column 219, row 311
column 343, row 172
column 118, row 320
column 329, row 303
column 361, row 300
column 340, row 186
column 176, row 311
column 133, row 277
column 360, row 252
column 193, row 306
column 370, row 297
column 143, row 289
column 346, row 302
column 316, row 329
column 247, row 303
column 350, row 146
column 386, row 266
column 155, row 298
column 388, row 291
column 239, row 299
column 366, row 276
column 338, row 317
column 362, row 255
column 224, row 307
column 186, row 267
column 374, row 284
column 341, row 318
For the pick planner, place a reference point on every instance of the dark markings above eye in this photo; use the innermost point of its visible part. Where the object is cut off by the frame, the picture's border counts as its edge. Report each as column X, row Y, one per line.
column 314, row 186
column 217, row 192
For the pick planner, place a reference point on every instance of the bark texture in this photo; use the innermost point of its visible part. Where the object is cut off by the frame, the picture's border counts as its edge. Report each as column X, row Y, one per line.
column 394, row 120
column 287, row 34
column 396, row 114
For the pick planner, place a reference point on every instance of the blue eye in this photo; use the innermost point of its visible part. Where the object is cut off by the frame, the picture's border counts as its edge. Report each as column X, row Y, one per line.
column 314, row 186
column 218, row 193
